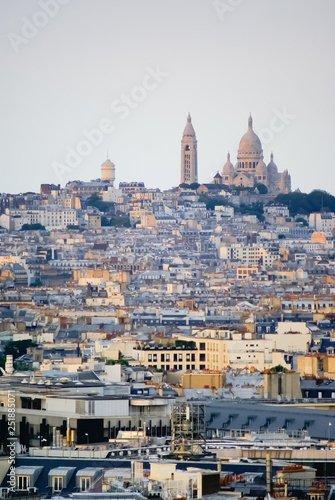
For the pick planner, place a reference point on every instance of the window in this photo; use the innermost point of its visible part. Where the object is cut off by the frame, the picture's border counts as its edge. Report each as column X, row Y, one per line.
column 57, row 483
column 91, row 407
column 23, row 482
column 202, row 357
column 84, row 484
column 202, row 346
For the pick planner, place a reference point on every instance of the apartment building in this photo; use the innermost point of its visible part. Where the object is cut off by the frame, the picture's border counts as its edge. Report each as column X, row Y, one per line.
column 250, row 255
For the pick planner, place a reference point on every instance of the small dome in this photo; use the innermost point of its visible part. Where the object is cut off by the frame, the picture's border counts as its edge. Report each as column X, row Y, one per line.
column 318, row 237
column 228, row 168
column 108, row 164
column 261, row 168
column 250, row 142
column 272, row 167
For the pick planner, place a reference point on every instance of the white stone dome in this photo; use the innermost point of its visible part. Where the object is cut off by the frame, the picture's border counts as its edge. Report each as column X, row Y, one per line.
column 228, row 168
column 272, row 167
column 261, row 168
column 250, row 142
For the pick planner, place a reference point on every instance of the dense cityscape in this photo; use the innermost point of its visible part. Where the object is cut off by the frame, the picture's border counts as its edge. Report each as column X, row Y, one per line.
column 171, row 344
column 167, row 250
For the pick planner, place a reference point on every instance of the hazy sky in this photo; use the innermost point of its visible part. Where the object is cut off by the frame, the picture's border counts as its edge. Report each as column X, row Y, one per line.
column 67, row 65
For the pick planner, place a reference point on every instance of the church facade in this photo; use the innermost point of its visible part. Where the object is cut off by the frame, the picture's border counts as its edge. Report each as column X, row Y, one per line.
column 251, row 169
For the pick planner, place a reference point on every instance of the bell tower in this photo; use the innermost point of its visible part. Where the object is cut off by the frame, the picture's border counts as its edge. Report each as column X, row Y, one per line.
column 189, row 154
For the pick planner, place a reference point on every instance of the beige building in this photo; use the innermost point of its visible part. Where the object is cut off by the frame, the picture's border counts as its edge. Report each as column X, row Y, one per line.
column 108, row 172
column 189, row 154
column 317, row 365
column 282, row 384
column 220, row 349
column 202, row 380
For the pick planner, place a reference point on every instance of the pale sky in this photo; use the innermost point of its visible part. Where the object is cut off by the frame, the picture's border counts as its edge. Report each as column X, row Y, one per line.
column 220, row 60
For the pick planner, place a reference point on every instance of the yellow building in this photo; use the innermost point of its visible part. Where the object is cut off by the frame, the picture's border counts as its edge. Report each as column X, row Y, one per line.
column 204, row 379
column 243, row 272
column 317, row 365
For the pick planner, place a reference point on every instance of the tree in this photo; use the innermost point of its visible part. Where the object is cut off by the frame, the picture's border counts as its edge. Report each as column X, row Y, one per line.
column 32, row 227
column 37, row 282
column 302, row 221
column 194, row 185
column 279, row 369
column 303, row 203
column 117, row 362
column 261, row 188
column 95, row 201
column 18, row 348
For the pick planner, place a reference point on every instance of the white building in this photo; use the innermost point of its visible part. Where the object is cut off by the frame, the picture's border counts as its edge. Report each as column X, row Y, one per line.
column 50, row 216
column 249, row 255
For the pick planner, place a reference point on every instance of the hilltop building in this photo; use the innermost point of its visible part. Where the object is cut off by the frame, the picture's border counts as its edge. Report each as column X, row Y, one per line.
column 251, row 169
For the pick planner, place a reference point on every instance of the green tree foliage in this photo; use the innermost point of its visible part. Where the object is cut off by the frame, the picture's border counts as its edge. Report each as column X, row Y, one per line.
column 117, row 362
column 303, row 203
column 37, row 283
column 18, row 348
column 116, row 221
column 95, row 201
column 212, row 202
column 253, row 209
column 193, row 185
column 302, row 221
column 32, row 227
column 261, row 188
column 186, row 344
column 278, row 369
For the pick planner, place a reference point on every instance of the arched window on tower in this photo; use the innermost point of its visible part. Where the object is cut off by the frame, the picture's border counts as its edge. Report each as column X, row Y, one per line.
column 187, row 148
